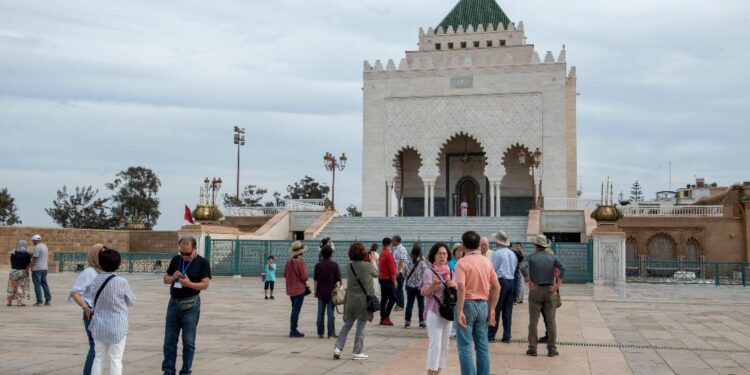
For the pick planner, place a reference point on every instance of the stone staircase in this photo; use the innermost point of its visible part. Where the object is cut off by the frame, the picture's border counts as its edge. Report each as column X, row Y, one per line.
column 424, row 228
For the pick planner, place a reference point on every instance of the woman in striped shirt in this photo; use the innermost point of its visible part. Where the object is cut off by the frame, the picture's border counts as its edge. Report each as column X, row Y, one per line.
column 83, row 295
column 109, row 325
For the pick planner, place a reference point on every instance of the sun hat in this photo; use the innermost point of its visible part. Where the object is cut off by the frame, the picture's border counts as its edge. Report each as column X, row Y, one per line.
column 297, row 248
column 541, row 240
column 501, row 238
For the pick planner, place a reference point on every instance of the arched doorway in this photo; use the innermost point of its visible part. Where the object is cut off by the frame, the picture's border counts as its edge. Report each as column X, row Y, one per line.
column 408, row 186
column 517, row 186
column 661, row 247
column 467, row 191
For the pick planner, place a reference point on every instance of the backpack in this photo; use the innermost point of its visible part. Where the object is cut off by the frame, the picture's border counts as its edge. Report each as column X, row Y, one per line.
column 447, row 305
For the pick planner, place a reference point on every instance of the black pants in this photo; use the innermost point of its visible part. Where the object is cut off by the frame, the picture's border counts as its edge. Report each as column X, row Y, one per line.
column 504, row 308
column 387, row 297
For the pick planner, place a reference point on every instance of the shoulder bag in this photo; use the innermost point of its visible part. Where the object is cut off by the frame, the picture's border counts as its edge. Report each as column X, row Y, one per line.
column 373, row 304
column 98, row 292
column 448, row 305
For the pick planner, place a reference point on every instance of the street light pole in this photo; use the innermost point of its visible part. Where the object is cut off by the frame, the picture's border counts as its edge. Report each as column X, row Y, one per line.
column 331, row 164
column 239, row 140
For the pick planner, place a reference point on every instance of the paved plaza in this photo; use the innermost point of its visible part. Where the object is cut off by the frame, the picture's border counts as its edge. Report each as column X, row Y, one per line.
column 644, row 329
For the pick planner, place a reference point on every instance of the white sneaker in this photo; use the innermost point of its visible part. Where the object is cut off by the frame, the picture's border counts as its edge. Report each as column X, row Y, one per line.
column 336, row 353
column 360, row 356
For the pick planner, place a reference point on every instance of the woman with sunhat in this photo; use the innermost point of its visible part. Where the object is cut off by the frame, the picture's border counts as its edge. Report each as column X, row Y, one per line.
column 295, row 273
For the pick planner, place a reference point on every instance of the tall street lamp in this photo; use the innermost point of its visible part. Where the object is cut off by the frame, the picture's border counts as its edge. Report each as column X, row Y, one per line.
column 239, row 140
column 534, row 160
column 332, row 164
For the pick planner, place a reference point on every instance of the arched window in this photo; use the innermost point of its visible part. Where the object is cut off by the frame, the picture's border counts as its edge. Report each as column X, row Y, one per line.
column 661, row 247
column 631, row 249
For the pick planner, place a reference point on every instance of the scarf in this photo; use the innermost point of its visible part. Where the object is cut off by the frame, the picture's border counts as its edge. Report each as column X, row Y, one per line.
column 442, row 270
column 93, row 256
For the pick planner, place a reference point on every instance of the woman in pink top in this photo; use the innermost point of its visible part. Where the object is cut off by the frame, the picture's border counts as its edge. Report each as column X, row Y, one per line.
column 438, row 328
column 295, row 274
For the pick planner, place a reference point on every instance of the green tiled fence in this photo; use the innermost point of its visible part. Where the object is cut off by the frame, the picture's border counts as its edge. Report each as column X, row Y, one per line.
column 131, row 262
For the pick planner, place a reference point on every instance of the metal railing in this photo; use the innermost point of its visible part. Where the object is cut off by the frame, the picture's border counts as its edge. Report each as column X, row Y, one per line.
column 713, row 211
column 686, row 272
column 287, row 204
column 131, row 262
column 253, row 211
column 569, row 204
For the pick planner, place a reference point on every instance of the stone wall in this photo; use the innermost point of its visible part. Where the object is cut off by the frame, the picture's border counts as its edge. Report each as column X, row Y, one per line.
column 78, row 240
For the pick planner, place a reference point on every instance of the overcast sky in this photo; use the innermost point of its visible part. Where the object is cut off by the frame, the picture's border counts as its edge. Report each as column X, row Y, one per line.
column 89, row 88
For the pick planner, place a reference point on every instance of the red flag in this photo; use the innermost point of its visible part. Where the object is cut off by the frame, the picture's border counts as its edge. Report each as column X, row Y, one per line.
column 188, row 215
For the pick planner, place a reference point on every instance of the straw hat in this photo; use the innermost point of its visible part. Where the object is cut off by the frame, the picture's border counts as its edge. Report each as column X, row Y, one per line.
column 297, row 248
column 541, row 240
column 501, row 238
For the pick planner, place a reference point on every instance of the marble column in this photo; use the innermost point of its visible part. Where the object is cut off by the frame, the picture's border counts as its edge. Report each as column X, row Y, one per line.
column 432, row 199
column 609, row 256
column 492, row 198
column 498, row 197
column 426, row 199
column 388, row 196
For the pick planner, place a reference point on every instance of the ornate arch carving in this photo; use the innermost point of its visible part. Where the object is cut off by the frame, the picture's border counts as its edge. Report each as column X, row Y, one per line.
column 662, row 246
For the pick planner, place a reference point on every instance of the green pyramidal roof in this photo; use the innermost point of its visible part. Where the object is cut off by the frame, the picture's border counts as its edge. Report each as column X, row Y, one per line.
column 475, row 13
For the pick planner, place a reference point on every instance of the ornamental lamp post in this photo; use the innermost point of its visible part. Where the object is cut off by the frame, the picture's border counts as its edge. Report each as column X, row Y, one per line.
column 239, row 140
column 215, row 186
column 332, row 164
column 534, row 159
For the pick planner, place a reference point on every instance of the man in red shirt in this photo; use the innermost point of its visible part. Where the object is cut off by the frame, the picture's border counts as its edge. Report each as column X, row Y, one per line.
column 387, row 279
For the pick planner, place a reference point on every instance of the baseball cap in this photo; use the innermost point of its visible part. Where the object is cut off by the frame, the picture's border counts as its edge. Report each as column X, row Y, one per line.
column 36, row 237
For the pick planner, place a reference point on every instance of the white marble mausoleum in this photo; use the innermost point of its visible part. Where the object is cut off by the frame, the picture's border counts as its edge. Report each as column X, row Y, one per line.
column 447, row 124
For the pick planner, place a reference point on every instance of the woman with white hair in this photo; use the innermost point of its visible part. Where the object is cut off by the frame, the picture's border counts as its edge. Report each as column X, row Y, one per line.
column 83, row 295
column 18, row 280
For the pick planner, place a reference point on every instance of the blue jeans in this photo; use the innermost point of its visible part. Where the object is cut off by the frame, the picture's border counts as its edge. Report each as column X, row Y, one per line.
column 387, row 298
column 504, row 308
column 91, row 353
column 400, row 290
column 296, row 308
column 326, row 306
column 411, row 295
column 40, row 282
column 187, row 321
column 476, row 332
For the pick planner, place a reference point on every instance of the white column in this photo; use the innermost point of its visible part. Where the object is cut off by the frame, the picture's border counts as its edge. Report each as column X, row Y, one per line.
column 609, row 257
column 492, row 198
column 432, row 199
column 426, row 199
column 388, row 196
column 498, row 197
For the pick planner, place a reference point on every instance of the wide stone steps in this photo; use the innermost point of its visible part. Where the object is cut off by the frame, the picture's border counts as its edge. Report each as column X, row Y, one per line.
column 424, row 228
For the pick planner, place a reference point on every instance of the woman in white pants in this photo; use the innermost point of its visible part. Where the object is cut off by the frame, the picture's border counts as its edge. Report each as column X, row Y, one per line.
column 438, row 329
column 109, row 324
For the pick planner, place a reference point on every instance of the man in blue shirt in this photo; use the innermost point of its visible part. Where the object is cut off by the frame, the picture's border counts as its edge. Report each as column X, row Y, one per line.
column 504, row 261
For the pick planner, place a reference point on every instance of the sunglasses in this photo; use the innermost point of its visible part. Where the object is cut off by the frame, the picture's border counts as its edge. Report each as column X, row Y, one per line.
column 186, row 254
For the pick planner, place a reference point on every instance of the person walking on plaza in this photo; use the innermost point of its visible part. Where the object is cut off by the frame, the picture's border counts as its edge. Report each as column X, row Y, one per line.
column 542, row 293
column 269, row 275
column 295, row 273
column 326, row 275
column 188, row 274
column 388, row 283
column 519, row 283
column 359, row 279
column 478, row 292
column 484, row 248
column 399, row 256
column 18, row 279
column 504, row 262
column 373, row 257
column 82, row 293
column 414, row 268
column 432, row 285
column 109, row 323
column 458, row 253
column 38, row 267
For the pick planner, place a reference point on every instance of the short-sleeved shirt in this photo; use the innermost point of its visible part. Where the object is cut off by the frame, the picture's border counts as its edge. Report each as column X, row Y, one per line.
column 399, row 254
column 20, row 260
column 475, row 272
column 40, row 253
column 83, row 285
column 270, row 271
column 326, row 274
column 196, row 270
column 504, row 261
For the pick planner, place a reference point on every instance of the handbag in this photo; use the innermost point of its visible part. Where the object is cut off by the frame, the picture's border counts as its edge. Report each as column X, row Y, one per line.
column 338, row 295
column 307, row 288
column 373, row 304
column 447, row 306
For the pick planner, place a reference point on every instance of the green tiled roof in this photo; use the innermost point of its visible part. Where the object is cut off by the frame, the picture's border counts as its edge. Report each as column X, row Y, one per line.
column 475, row 13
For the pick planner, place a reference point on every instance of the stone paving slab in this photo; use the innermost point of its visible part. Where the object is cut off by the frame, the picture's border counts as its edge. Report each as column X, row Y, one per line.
column 240, row 333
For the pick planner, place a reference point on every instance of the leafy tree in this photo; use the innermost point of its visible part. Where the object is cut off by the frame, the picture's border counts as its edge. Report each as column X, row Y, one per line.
column 8, row 209
column 636, row 192
column 250, row 197
column 352, row 211
column 135, row 195
column 276, row 202
column 307, row 188
column 81, row 209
